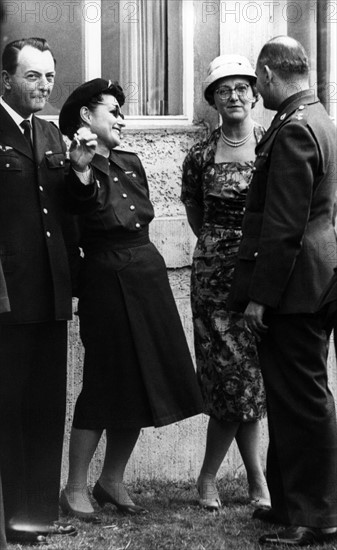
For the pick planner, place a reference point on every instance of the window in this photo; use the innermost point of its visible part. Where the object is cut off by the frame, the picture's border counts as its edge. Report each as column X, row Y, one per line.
column 142, row 48
column 147, row 45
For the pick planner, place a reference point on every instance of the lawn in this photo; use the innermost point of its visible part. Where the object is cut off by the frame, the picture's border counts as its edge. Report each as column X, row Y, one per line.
column 174, row 522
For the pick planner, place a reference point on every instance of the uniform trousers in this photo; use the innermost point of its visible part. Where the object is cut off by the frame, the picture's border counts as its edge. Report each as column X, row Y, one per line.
column 33, row 360
column 302, row 453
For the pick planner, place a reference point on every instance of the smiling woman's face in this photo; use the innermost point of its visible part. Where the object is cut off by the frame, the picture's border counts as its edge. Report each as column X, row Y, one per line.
column 237, row 98
column 106, row 122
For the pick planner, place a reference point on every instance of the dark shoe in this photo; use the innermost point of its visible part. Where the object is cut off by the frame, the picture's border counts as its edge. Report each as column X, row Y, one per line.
column 25, row 537
column 267, row 515
column 103, row 497
column 67, row 509
column 58, row 528
column 298, row 536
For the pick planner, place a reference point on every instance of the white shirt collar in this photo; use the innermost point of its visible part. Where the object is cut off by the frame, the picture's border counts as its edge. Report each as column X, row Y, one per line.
column 13, row 114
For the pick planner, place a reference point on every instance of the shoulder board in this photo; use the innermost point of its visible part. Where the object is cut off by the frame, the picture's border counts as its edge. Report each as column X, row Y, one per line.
column 300, row 113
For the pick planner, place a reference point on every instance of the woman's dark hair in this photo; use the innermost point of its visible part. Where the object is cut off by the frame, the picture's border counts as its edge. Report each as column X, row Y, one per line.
column 286, row 56
column 114, row 89
column 209, row 93
column 11, row 52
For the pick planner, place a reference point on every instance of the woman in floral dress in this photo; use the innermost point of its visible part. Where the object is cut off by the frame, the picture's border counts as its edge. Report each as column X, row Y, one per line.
column 216, row 176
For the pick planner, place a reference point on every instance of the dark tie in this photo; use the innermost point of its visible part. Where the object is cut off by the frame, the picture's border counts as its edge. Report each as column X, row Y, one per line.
column 25, row 124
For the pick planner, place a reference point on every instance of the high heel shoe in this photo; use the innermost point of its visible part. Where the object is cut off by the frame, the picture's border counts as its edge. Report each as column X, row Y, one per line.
column 209, row 496
column 103, row 497
column 68, row 510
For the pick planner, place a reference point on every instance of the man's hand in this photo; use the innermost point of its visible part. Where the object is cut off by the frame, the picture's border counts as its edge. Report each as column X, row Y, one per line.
column 82, row 149
column 253, row 317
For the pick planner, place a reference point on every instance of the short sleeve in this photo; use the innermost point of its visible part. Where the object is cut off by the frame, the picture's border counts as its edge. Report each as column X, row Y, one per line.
column 191, row 189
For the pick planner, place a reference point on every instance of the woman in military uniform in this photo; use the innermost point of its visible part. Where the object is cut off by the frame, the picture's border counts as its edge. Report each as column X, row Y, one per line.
column 137, row 369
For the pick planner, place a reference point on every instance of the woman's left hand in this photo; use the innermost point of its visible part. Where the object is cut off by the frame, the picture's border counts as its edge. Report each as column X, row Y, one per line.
column 82, row 149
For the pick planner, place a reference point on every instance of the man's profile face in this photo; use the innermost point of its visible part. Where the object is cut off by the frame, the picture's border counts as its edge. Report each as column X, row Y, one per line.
column 28, row 90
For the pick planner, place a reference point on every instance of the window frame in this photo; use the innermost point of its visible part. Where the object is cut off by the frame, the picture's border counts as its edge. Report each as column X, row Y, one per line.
column 93, row 68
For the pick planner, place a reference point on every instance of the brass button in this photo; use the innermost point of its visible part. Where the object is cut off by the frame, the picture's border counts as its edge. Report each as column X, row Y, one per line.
column 138, row 225
column 132, row 207
column 115, row 179
column 40, row 187
column 48, row 234
column 45, row 211
column 256, row 254
column 7, row 165
column 124, row 195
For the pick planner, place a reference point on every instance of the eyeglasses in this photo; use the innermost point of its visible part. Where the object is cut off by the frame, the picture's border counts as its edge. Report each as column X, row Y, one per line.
column 224, row 92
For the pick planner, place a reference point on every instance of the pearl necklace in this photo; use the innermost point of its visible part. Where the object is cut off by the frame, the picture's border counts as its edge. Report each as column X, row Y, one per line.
column 236, row 143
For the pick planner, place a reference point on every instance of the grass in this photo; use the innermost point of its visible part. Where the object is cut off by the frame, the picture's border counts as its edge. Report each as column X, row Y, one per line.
column 174, row 522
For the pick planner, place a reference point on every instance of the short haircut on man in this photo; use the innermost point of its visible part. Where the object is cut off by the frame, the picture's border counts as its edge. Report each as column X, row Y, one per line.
column 11, row 52
column 286, row 56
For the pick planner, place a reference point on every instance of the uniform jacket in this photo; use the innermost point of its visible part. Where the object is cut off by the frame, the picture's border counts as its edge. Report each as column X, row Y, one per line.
column 288, row 249
column 32, row 245
column 116, row 205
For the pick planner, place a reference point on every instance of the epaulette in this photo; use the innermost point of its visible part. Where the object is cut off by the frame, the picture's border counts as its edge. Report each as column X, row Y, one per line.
column 300, row 113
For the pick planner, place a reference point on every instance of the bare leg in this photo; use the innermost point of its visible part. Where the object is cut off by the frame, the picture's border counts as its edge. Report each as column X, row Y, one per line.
column 247, row 438
column 219, row 438
column 83, row 444
column 120, row 445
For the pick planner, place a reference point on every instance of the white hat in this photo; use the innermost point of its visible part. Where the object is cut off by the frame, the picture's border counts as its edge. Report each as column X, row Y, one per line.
column 228, row 65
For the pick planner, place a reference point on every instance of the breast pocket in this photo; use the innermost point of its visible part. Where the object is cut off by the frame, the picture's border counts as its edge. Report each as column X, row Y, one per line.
column 10, row 162
column 55, row 161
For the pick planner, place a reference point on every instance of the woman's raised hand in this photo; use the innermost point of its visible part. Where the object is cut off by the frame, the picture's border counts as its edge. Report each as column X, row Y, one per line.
column 82, row 149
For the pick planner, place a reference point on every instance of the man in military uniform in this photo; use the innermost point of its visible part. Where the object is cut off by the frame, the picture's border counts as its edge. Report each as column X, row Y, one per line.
column 33, row 334
column 286, row 258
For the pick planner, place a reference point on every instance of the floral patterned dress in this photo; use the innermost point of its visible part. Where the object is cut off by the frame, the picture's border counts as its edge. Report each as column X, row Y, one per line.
column 227, row 363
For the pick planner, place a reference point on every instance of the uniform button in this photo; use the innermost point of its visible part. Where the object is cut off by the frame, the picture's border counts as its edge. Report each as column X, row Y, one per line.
column 255, row 254
column 138, row 225
column 124, row 195
column 301, row 107
column 40, row 187
column 134, row 175
column 132, row 207
column 48, row 234
column 282, row 117
column 45, row 211
column 61, row 162
column 254, row 169
column 115, row 179
column 7, row 165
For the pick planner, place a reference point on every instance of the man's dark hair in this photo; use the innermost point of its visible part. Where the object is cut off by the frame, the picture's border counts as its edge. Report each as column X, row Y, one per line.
column 286, row 56
column 11, row 52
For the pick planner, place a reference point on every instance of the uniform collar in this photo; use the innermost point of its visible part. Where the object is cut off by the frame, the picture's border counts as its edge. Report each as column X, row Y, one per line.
column 13, row 114
column 292, row 103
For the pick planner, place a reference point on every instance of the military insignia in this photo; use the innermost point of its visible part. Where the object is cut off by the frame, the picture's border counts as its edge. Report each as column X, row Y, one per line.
column 5, row 148
column 299, row 116
column 282, row 117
